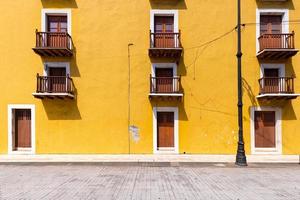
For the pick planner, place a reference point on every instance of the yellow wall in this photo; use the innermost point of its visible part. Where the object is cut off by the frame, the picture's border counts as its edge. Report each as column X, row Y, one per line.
column 96, row 122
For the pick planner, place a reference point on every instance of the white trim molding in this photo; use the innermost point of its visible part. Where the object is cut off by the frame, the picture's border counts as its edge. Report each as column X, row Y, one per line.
column 163, row 65
column 279, row 66
column 174, row 150
column 278, row 131
column 285, row 19
column 56, row 64
column 9, row 110
column 157, row 12
column 65, row 12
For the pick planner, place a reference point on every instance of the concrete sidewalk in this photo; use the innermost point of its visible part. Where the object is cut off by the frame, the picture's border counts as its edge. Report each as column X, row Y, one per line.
column 144, row 158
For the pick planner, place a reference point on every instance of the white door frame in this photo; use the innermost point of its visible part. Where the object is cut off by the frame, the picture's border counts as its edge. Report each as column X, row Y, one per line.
column 165, row 66
column 271, row 11
column 10, row 109
column 176, row 130
column 278, row 134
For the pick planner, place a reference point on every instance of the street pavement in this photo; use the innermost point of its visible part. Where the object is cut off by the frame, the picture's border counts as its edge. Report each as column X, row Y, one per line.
column 128, row 181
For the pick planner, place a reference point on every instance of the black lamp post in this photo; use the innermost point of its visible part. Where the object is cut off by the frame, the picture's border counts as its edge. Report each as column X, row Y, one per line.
column 240, row 155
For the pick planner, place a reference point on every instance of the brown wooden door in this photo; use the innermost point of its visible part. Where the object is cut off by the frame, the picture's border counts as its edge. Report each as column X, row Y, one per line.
column 22, row 128
column 271, row 84
column 164, row 80
column 57, row 24
column 165, row 129
column 164, row 32
column 57, row 79
column 272, row 24
column 264, row 129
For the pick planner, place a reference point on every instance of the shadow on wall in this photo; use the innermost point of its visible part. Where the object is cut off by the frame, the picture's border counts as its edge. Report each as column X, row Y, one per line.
column 289, row 69
column 59, row 4
column 74, row 69
column 284, row 4
column 288, row 112
column 286, row 106
column 168, row 4
column 248, row 90
column 57, row 109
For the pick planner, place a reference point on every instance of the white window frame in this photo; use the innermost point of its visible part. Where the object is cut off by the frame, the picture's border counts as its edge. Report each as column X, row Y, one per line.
column 157, row 12
column 168, row 66
column 9, row 110
column 278, row 131
column 56, row 64
column 285, row 19
column 65, row 12
column 164, row 65
column 279, row 66
column 176, row 130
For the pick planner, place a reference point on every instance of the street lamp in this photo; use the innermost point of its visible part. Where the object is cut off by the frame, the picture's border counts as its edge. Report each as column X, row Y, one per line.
column 240, row 155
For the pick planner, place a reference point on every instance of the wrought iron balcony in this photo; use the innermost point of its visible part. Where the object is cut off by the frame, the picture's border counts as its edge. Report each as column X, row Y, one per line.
column 54, row 86
column 165, row 45
column 276, row 46
column 53, row 44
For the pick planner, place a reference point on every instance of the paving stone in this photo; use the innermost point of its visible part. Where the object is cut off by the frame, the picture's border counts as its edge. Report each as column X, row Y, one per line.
column 207, row 181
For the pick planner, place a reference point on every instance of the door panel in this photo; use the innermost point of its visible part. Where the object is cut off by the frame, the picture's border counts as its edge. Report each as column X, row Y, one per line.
column 57, row 80
column 164, row 81
column 165, row 129
column 271, row 85
column 265, row 129
column 164, row 29
column 272, row 24
column 57, row 24
column 22, row 128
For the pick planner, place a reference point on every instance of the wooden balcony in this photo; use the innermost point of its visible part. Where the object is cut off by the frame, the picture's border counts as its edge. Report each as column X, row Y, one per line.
column 165, row 88
column 165, row 45
column 276, row 46
column 276, row 88
column 51, row 44
column 54, row 87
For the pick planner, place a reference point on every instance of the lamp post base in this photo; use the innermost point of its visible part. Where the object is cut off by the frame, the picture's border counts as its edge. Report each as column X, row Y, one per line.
column 240, row 156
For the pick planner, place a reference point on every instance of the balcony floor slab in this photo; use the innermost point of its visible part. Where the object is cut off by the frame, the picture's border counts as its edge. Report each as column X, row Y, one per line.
column 276, row 54
column 277, row 96
column 53, row 95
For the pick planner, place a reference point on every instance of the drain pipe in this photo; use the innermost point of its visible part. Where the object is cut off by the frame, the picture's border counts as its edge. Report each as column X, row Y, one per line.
column 129, row 78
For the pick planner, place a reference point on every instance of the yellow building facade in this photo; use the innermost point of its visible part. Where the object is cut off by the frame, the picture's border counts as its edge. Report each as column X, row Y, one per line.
column 147, row 77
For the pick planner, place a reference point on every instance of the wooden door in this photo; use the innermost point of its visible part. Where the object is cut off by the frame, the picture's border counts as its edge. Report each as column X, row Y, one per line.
column 271, row 83
column 164, row 80
column 164, row 32
column 272, row 24
column 57, row 79
column 265, row 129
column 165, row 129
column 22, row 129
column 57, row 24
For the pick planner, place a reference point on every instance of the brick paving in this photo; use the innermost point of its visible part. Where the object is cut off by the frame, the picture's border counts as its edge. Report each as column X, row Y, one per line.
column 199, row 181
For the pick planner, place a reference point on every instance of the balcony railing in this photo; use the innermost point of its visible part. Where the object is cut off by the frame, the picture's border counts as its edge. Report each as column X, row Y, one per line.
column 53, row 44
column 276, row 85
column 165, row 84
column 54, row 84
column 165, row 40
column 165, row 45
column 276, row 41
